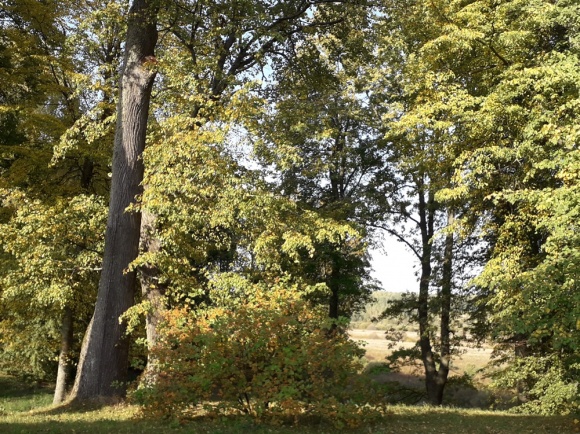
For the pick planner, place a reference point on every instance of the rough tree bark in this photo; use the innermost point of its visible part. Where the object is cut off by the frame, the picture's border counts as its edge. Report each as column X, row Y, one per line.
column 104, row 355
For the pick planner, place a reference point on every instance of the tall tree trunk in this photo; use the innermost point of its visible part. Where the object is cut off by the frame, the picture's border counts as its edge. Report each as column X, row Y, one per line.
column 334, row 303
column 66, row 342
column 104, row 355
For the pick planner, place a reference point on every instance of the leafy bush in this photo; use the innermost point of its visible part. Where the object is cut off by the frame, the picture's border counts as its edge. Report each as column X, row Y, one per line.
column 465, row 391
column 545, row 386
column 274, row 357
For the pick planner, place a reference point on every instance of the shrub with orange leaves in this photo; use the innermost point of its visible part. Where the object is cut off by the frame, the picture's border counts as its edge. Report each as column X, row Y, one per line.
column 274, row 356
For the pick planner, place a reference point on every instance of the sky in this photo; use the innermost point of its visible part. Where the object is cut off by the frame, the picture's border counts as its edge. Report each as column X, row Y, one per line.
column 393, row 266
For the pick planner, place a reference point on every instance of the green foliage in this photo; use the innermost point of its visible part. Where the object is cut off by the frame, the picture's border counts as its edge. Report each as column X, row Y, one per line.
column 490, row 89
column 317, row 140
column 264, row 183
column 51, row 258
column 225, row 218
column 522, row 181
column 57, row 90
column 55, row 247
column 544, row 384
column 213, row 213
column 271, row 354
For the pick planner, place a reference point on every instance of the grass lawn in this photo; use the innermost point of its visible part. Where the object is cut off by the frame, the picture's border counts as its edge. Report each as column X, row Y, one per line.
column 25, row 409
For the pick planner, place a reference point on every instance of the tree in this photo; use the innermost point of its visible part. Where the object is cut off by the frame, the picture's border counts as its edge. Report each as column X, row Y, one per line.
column 521, row 178
column 322, row 150
column 55, row 255
column 433, row 309
column 496, row 81
column 242, row 47
column 47, row 282
column 104, row 355
column 421, row 105
column 213, row 54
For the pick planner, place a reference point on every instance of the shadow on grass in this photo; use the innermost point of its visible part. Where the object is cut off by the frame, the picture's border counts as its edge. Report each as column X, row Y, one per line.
column 108, row 417
column 419, row 420
column 81, row 426
column 11, row 387
column 459, row 421
column 230, row 425
column 75, row 408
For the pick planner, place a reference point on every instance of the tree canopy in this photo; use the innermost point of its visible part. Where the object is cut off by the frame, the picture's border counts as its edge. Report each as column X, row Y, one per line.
column 242, row 147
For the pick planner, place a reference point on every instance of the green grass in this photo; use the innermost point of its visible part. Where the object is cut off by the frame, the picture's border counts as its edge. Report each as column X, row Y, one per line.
column 17, row 397
column 27, row 410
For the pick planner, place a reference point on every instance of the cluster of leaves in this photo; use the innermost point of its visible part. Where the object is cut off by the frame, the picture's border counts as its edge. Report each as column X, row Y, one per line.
column 52, row 205
column 51, row 257
column 268, row 353
column 545, row 384
column 489, row 94
column 522, row 178
column 214, row 214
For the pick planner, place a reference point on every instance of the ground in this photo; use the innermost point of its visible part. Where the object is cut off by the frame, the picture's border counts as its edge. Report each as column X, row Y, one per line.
column 27, row 409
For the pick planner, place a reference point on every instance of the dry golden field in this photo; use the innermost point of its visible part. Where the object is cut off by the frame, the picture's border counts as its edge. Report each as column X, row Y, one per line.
column 410, row 377
column 471, row 359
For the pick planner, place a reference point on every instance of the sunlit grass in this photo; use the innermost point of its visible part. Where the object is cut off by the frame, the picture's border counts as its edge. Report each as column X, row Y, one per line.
column 27, row 409
column 17, row 397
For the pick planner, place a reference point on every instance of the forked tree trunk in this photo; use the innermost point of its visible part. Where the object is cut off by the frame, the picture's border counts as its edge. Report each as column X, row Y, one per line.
column 103, row 360
column 64, row 367
column 426, row 223
column 435, row 377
